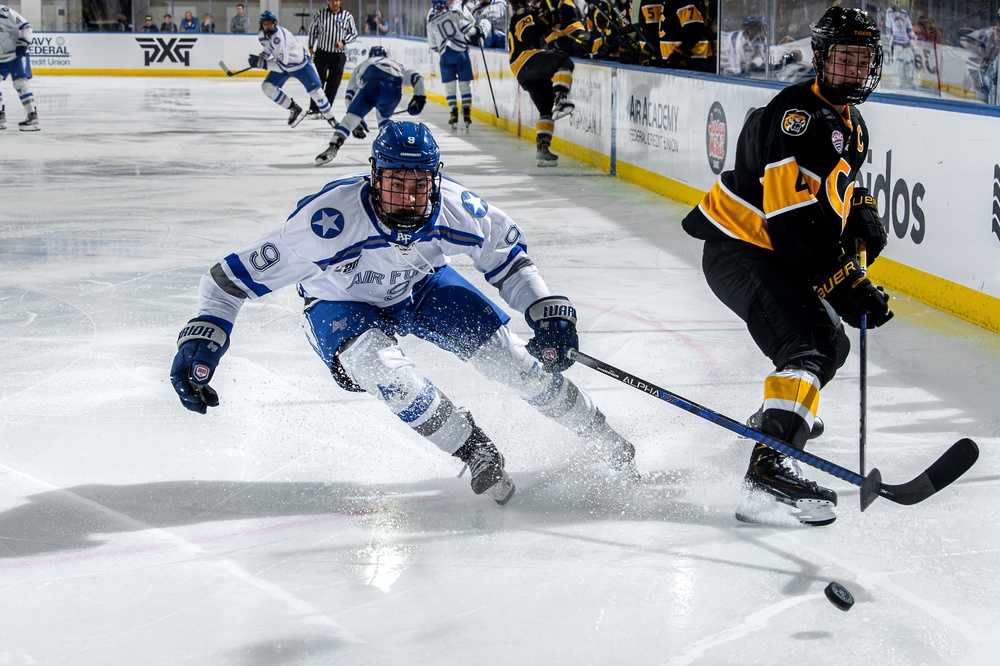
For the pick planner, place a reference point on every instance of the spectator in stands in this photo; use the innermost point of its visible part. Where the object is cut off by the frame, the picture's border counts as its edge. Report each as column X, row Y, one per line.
column 376, row 25
column 926, row 30
column 168, row 24
column 189, row 24
column 149, row 26
column 241, row 22
column 208, row 24
column 123, row 23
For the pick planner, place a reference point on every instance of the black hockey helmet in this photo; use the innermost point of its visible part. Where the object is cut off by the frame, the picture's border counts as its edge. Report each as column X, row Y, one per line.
column 849, row 27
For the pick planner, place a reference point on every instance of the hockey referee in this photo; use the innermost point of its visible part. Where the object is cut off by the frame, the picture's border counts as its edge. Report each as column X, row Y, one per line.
column 331, row 29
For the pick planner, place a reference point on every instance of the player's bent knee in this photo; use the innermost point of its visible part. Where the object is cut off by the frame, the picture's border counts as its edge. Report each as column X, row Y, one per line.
column 819, row 351
column 373, row 359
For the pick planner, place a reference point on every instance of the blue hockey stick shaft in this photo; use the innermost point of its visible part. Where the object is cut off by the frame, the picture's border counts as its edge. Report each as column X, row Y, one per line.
column 952, row 464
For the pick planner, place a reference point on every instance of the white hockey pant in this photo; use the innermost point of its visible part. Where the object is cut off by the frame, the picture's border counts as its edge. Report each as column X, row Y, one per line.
column 503, row 358
column 24, row 92
column 276, row 95
column 378, row 365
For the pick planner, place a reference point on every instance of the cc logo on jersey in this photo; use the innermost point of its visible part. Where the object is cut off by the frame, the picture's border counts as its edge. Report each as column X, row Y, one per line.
column 327, row 223
column 795, row 122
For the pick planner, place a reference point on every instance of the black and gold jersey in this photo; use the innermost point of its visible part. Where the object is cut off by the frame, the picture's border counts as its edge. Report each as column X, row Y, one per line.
column 790, row 188
column 649, row 14
column 567, row 33
column 525, row 37
column 684, row 28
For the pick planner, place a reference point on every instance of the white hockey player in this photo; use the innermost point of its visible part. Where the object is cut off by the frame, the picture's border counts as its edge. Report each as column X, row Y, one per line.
column 284, row 57
column 450, row 33
column 370, row 256
column 15, row 37
column 900, row 35
column 494, row 14
column 376, row 83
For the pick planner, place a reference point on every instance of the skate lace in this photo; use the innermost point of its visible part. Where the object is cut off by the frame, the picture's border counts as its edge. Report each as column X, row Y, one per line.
column 794, row 470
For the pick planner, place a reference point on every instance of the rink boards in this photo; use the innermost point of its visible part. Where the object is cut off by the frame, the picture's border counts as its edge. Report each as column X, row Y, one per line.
column 934, row 167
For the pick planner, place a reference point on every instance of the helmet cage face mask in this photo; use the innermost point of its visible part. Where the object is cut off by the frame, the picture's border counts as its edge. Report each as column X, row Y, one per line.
column 269, row 16
column 406, row 178
column 851, row 28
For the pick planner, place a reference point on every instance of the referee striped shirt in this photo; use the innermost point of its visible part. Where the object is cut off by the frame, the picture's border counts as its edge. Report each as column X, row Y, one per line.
column 328, row 28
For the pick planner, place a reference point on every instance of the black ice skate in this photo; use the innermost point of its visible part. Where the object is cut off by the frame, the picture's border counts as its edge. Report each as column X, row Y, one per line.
column 3, row 118
column 333, row 122
column 543, row 156
column 756, row 420
column 562, row 107
column 613, row 448
column 331, row 152
column 778, row 476
column 453, row 118
column 467, row 116
column 486, row 464
column 295, row 114
column 30, row 124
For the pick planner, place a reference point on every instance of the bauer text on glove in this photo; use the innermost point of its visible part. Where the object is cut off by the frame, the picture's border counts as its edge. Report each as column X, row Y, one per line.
column 851, row 294
column 864, row 226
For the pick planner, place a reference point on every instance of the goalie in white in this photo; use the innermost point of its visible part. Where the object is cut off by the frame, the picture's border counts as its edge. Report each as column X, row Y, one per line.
column 370, row 256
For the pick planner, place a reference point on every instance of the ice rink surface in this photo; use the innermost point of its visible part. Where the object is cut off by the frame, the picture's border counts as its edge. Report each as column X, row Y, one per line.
column 301, row 524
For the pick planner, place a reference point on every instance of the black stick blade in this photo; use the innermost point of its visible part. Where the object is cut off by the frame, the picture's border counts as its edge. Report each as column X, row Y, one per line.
column 952, row 464
column 870, row 488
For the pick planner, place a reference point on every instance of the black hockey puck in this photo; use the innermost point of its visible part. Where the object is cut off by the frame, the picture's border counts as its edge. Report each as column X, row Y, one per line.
column 839, row 596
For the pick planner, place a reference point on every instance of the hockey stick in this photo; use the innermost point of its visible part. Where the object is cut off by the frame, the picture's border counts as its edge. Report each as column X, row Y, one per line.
column 232, row 73
column 863, row 378
column 952, row 464
column 486, row 66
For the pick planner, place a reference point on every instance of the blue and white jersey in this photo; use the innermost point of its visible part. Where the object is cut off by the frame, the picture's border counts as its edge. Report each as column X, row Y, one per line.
column 284, row 53
column 14, row 31
column 495, row 12
column 334, row 247
column 450, row 29
column 383, row 68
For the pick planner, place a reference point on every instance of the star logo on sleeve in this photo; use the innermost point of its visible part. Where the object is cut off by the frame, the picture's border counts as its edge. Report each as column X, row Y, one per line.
column 474, row 204
column 327, row 223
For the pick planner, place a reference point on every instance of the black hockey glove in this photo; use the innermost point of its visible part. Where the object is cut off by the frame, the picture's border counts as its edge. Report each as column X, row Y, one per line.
column 864, row 226
column 200, row 346
column 258, row 61
column 851, row 295
column 416, row 104
column 361, row 131
column 553, row 319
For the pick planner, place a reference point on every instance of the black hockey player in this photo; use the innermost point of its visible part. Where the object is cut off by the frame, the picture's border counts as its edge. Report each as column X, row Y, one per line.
column 782, row 232
column 686, row 39
column 546, row 75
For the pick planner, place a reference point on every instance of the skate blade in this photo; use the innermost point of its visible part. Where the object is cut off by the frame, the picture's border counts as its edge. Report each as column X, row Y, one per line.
column 30, row 128
column 547, row 163
column 324, row 158
column 502, row 490
column 295, row 123
column 762, row 508
column 562, row 114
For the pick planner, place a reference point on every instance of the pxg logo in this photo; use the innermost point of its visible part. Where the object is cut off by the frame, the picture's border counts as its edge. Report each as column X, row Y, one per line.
column 161, row 49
